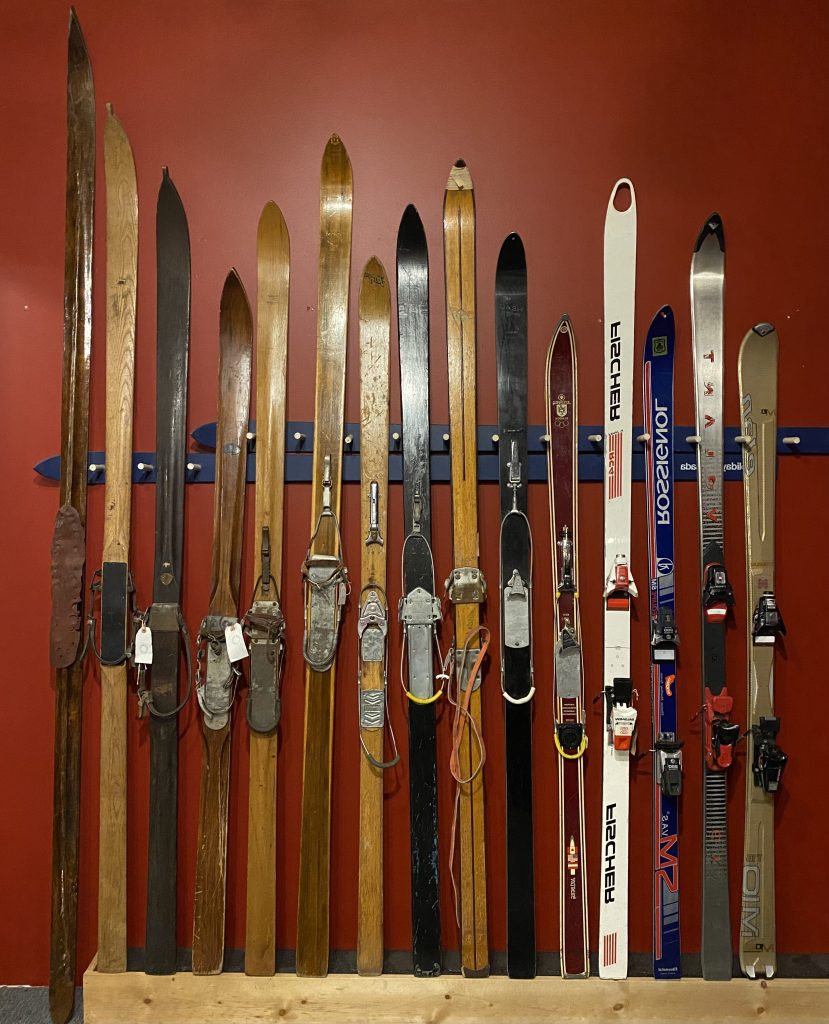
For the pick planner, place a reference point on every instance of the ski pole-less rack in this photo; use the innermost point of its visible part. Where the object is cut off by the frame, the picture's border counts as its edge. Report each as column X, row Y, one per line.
column 299, row 449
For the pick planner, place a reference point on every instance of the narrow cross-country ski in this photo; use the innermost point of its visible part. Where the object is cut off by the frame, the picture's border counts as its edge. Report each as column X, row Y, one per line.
column 619, row 588
column 220, row 641
column 561, row 399
column 766, row 761
column 115, row 583
column 517, row 683
column 264, row 621
column 324, row 573
column 718, row 734
column 420, row 609
column 164, row 624
column 658, row 395
column 466, row 587
column 373, row 615
column 69, row 537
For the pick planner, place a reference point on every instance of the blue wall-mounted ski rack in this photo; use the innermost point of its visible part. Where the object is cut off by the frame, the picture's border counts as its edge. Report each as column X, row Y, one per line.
column 299, row 447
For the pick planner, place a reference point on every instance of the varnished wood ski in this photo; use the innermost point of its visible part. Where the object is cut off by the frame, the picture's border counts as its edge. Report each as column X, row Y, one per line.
column 69, row 538
column 466, row 586
column 122, row 275
column 265, row 621
column 323, row 569
column 372, row 626
column 216, row 689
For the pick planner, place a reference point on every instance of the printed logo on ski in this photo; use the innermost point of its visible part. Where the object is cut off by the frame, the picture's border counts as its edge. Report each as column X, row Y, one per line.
column 614, row 411
column 610, row 853
column 662, row 470
column 751, row 901
column 665, row 566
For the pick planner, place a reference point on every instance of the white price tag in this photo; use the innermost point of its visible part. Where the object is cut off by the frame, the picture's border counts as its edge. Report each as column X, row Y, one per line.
column 236, row 648
column 143, row 646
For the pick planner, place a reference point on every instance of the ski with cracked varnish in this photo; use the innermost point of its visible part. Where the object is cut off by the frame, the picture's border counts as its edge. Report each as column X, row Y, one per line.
column 658, row 400
column 164, row 623
column 264, row 621
column 517, row 683
column 373, row 615
column 69, row 537
column 114, row 582
column 719, row 734
column 420, row 609
column 758, row 413
column 570, row 731
column 324, row 574
column 221, row 640
column 619, row 588
column 465, row 587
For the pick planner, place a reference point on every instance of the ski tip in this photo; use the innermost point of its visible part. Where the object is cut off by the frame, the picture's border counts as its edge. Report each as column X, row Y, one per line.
column 663, row 318
column 512, row 257
column 411, row 226
column 712, row 228
column 763, row 329
column 165, row 173
column 460, row 180
column 375, row 273
column 622, row 197
column 272, row 223
column 563, row 327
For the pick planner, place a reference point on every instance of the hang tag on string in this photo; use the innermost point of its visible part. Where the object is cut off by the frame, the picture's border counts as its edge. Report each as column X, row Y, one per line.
column 236, row 647
column 143, row 646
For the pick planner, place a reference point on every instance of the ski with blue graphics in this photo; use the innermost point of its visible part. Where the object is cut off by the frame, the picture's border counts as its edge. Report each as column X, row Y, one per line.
column 658, row 393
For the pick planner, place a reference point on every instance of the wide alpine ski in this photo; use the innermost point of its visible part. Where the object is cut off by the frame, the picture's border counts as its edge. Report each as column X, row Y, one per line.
column 466, row 587
column 658, row 394
column 420, row 609
column 264, row 622
column 69, row 538
column 164, row 624
column 114, row 581
column 373, row 620
column 517, row 683
column 619, row 588
column 324, row 573
column 758, row 405
column 220, row 638
column 719, row 734
column 570, row 732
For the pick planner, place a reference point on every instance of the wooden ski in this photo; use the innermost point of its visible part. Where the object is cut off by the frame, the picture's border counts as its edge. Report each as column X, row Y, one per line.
column 466, row 587
column 69, row 538
column 373, row 621
column 265, row 623
column 220, row 634
column 115, row 583
column 324, row 574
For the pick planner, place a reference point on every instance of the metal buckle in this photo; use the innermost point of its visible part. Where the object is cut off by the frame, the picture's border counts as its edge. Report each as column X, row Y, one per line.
column 372, row 627
column 466, row 585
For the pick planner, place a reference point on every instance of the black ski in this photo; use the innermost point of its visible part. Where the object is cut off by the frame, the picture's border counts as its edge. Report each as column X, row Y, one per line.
column 516, row 604
column 419, row 608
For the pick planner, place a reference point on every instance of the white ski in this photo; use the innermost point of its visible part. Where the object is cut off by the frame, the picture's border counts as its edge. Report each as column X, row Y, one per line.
column 620, row 715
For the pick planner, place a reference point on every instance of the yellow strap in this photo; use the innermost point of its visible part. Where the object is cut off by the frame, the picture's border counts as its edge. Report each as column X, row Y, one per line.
column 424, row 700
column 578, row 753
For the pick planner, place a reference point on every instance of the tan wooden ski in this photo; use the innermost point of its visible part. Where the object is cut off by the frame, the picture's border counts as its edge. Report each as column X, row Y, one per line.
column 265, row 622
column 121, row 281
column 372, row 625
column 220, row 631
column 466, row 586
column 324, row 574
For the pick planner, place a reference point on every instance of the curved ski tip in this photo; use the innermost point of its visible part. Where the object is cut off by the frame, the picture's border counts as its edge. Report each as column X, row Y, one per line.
column 713, row 227
column 564, row 326
column 410, row 221
column 460, row 180
column 622, row 197
column 512, row 256
column 763, row 329
column 374, row 272
column 271, row 219
column 165, row 173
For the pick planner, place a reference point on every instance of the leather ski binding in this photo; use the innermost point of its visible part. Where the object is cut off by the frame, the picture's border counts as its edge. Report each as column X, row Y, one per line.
column 767, row 622
column 163, row 619
column 265, row 630
column 769, row 759
column 620, row 586
column 669, row 764
column 372, row 639
column 664, row 636
column 217, row 688
column 621, row 714
column 717, row 595
column 326, row 587
column 115, row 585
column 720, row 734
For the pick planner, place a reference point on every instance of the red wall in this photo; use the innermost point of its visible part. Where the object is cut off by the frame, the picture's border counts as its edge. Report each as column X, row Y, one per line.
column 705, row 106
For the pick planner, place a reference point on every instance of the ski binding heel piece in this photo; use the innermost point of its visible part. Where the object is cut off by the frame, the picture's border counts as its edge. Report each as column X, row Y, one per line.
column 767, row 622
column 516, row 612
column 664, row 636
column 669, row 765
column 466, row 585
column 769, row 759
column 571, row 739
column 720, row 734
column 717, row 595
column 620, row 586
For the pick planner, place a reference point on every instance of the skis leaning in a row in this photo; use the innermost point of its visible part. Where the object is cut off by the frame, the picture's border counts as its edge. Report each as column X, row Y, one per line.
column 420, row 609
column 619, row 588
column 69, row 538
column 466, row 587
column 658, row 392
column 164, row 627
column 264, row 622
column 324, row 574
column 570, row 734
column 220, row 640
column 517, row 684
column 758, row 408
column 718, row 734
